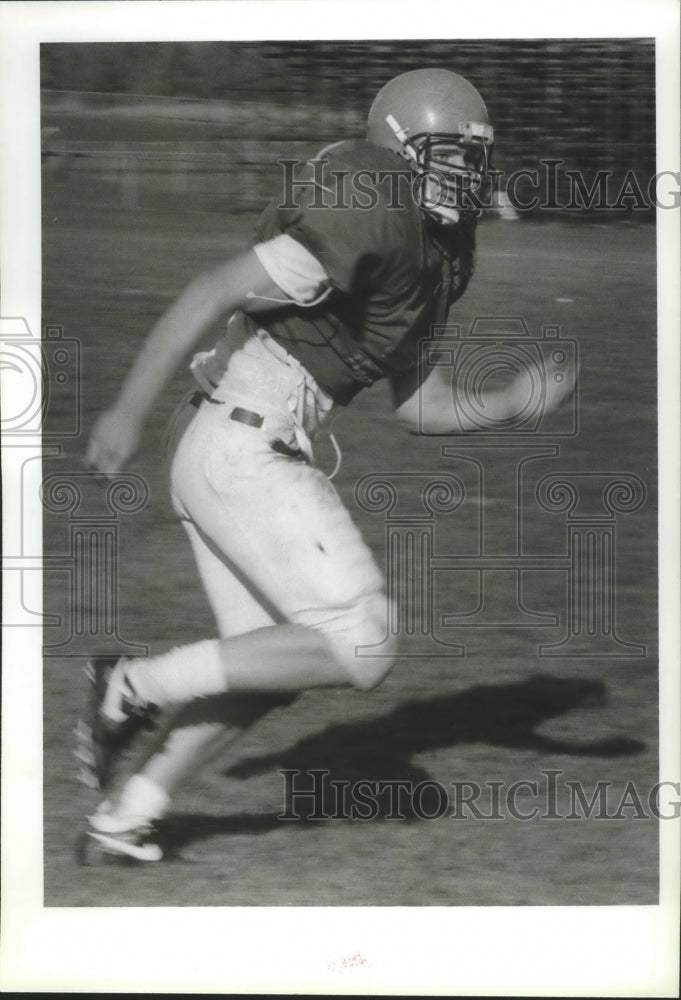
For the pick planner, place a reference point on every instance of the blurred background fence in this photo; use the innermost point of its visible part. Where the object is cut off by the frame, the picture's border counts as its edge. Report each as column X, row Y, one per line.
column 208, row 122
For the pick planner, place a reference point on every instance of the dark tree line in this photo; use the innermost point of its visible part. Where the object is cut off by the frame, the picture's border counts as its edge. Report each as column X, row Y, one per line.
column 588, row 103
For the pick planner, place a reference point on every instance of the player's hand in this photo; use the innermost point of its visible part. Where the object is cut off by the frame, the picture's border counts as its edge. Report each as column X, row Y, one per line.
column 114, row 440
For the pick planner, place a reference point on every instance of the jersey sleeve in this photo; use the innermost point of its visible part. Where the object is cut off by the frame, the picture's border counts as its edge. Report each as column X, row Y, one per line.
column 293, row 268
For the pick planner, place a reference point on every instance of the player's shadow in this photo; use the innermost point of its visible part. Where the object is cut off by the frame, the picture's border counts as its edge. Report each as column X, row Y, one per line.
column 381, row 749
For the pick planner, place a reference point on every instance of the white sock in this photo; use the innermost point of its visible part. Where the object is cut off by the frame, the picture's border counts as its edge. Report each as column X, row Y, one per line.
column 141, row 801
column 142, row 797
column 182, row 674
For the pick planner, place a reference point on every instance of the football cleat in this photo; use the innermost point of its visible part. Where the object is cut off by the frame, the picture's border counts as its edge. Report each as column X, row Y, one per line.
column 123, row 837
column 114, row 715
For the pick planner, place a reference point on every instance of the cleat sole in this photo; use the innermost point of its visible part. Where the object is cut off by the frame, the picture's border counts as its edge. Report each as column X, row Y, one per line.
column 121, row 848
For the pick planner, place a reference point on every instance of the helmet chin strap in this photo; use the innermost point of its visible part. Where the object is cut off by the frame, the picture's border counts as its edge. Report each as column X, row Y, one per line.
column 445, row 216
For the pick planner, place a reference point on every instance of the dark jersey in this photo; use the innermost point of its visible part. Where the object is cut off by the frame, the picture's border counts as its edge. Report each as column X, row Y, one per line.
column 390, row 280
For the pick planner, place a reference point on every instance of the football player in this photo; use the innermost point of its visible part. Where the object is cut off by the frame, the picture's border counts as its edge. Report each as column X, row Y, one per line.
column 352, row 266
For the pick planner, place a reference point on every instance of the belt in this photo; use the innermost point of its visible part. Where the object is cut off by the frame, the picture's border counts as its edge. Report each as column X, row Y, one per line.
column 248, row 417
column 251, row 419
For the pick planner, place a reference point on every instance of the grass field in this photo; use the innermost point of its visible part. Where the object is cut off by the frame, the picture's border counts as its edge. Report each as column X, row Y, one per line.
column 500, row 713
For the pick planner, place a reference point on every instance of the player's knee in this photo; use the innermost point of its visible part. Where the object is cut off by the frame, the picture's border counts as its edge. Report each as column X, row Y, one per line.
column 371, row 653
column 367, row 672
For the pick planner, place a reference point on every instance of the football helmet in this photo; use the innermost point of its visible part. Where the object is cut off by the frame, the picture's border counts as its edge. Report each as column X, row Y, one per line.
column 438, row 121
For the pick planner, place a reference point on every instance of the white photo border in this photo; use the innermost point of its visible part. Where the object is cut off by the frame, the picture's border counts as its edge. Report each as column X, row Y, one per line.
column 551, row 951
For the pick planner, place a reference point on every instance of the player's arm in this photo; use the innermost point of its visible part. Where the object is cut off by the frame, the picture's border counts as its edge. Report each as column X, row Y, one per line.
column 423, row 402
column 241, row 283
